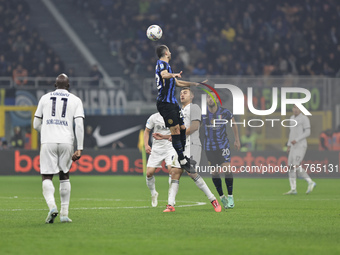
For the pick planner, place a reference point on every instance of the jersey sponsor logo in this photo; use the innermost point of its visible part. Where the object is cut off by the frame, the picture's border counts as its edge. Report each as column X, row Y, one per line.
column 103, row 140
column 159, row 127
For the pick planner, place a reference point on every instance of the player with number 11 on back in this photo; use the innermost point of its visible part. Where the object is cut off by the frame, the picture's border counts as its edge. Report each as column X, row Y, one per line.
column 54, row 119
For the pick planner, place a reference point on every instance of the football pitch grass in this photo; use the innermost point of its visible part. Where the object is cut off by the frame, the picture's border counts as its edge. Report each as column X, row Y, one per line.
column 113, row 215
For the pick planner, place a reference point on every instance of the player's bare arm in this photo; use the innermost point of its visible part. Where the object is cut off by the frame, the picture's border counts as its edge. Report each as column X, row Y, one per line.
column 180, row 83
column 146, row 140
column 166, row 75
column 237, row 138
column 195, row 124
column 76, row 155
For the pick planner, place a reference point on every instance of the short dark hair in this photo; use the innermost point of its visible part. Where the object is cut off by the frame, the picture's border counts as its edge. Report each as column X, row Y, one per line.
column 160, row 50
column 188, row 88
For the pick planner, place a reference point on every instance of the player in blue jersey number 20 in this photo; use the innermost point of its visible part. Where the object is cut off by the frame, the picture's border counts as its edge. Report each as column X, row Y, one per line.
column 167, row 105
column 216, row 146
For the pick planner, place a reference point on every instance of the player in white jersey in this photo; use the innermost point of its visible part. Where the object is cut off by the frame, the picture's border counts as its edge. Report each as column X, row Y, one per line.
column 192, row 118
column 54, row 119
column 162, row 149
column 297, row 146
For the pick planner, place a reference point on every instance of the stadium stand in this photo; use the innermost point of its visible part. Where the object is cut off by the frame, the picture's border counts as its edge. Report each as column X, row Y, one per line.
column 224, row 37
column 23, row 51
column 207, row 38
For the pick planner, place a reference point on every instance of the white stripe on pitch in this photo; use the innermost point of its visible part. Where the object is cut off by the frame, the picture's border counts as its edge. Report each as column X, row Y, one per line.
column 107, row 208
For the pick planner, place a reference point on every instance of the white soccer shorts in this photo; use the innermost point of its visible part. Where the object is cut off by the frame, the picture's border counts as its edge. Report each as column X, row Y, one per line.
column 55, row 158
column 296, row 155
column 156, row 158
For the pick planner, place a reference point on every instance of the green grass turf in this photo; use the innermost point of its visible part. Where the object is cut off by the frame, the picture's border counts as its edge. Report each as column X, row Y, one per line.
column 262, row 222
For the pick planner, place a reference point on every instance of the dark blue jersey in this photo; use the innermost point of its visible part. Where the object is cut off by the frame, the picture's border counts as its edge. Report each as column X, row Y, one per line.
column 166, row 87
column 216, row 136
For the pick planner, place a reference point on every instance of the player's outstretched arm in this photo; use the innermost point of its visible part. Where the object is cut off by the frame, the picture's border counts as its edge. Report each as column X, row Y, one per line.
column 166, row 75
column 237, row 138
column 180, row 83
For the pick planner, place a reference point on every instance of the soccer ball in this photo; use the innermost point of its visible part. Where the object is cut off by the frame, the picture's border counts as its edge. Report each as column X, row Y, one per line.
column 154, row 32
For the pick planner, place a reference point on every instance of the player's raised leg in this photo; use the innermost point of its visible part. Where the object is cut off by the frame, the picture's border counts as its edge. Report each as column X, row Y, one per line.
column 178, row 146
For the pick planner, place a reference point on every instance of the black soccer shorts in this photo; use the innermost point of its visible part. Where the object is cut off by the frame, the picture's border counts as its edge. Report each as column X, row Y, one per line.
column 219, row 156
column 171, row 113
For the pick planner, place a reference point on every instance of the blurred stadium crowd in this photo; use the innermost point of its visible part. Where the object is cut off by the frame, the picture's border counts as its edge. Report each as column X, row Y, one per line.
column 23, row 51
column 206, row 37
column 223, row 37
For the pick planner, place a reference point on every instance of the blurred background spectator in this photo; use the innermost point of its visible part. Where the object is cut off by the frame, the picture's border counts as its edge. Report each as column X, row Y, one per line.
column 3, row 144
column 248, row 140
column 17, row 140
column 23, row 52
column 96, row 75
column 118, row 145
column 326, row 140
column 89, row 141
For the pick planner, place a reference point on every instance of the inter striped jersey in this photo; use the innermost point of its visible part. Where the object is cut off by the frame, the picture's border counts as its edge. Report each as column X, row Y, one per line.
column 166, row 87
column 216, row 136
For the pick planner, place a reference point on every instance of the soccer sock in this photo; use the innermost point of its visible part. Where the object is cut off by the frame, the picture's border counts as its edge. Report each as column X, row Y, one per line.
column 292, row 178
column 229, row 180
column 173, row 192
column 177, row 144
column 169, row 185
column 218, row 184
column 48, row 192
column 303, row 174
column 183, row 137
column 150, row 182
column 65, row 193
column 200, row 183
